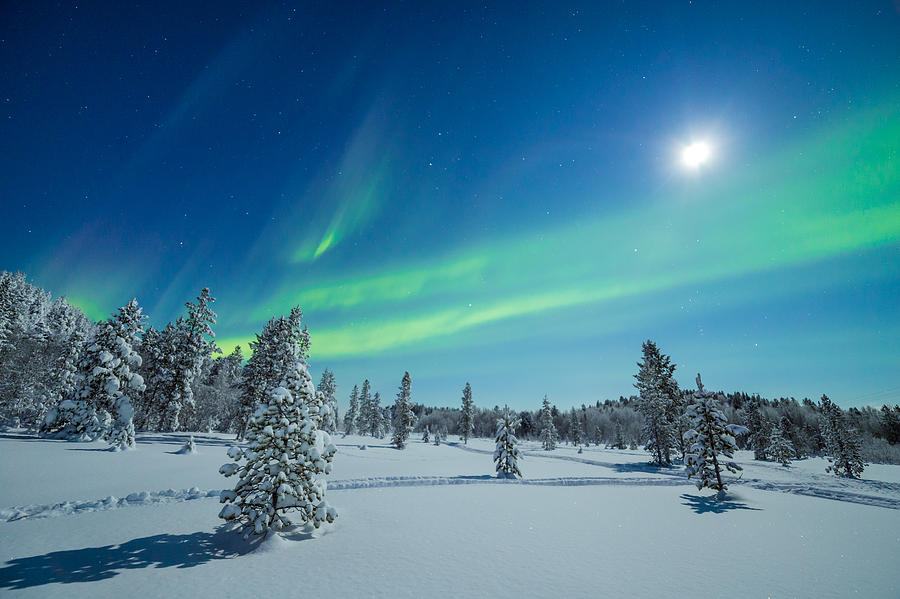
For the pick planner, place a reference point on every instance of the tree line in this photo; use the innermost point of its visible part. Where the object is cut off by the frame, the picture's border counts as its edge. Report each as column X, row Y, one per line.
column 63, row 375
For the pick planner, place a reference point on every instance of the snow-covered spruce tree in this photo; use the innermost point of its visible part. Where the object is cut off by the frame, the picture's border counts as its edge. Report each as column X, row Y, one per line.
column 160, row 350
column 548, row 429
column 365, row 422
column 378, row 423
column 506, row 452
column 576, row 430
column 128, row 325
column 327, row 387
column 467, row 418
column 352, row 415
column 58, row 418
column 842, row 443
column 287, row 454
column 425, row 434
column 404, row 418
column 779, row 449
column 107, row 379
column 194, row 340
column 710, row 437
column 269, row 365
column 659, row 402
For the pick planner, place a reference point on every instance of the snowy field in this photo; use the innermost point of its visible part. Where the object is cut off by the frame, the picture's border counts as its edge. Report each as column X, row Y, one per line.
column 77, row 520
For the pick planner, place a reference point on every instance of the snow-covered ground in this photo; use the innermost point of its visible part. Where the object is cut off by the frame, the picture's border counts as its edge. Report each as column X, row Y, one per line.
column 78, row 520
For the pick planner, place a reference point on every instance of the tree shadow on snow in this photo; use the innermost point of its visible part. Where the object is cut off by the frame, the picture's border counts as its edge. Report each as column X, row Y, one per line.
column 23, row 437
column 703, row 505
column 100, row 563
column 646, row 468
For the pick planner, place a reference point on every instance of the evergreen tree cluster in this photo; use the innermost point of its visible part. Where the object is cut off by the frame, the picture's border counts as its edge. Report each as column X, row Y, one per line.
column 40, row 342
column 46, row 385
column 67, row 377
column 366, row 415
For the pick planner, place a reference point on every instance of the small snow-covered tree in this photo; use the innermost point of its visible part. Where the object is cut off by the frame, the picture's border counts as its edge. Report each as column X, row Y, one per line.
column 467, row 418
column 404, row 418
column 659, row 402
column 352, row 415
column 506, row 452
column 779, row 449
column 287, row 454
column 548, row 429
column 189, row 448
column 327, row 387
column 425, row 434
column 710, row 437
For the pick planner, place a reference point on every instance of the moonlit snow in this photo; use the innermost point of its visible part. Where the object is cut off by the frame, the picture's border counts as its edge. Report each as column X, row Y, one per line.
column 76, row 520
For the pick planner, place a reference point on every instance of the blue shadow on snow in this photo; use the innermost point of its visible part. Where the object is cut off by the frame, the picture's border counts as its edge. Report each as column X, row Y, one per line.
column 100, row 563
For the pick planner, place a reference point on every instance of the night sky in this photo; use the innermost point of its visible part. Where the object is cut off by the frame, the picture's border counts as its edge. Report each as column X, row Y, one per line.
column 487, row 193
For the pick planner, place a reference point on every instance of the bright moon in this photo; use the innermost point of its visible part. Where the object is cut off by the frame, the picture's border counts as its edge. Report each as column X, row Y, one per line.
column 695, row 154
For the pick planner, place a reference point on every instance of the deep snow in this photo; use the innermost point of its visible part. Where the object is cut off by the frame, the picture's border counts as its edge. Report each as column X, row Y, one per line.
column 433, row 520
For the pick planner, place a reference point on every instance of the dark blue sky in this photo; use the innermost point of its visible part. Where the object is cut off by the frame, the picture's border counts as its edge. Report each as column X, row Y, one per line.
column 480, row 192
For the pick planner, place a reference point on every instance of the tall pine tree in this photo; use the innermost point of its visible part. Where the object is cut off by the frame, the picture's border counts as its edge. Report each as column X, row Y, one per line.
column 404, row 418
column 506, row 451
column 842, row 443
column 548, row 429
column 467, row 417
column 352, row 415
column 659, row 402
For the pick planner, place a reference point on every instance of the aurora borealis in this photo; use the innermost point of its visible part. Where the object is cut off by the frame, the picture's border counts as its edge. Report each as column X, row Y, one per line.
column 474, row 193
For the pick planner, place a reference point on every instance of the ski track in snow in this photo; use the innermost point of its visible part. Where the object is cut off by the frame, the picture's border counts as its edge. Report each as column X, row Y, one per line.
column 664, row 477
column 828, row 490
column 144, row 498
column 67, row 508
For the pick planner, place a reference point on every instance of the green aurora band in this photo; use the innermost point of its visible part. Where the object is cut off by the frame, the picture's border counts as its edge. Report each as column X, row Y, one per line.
column 836, row 193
